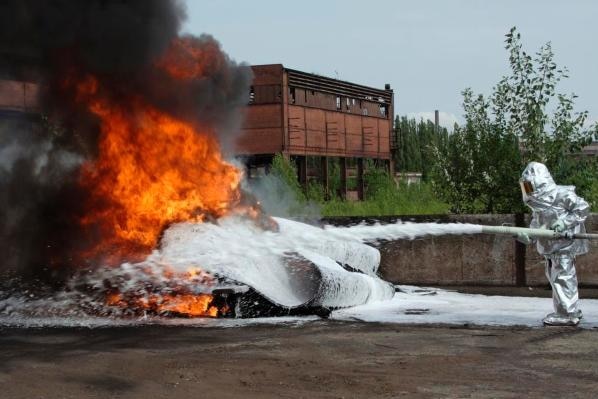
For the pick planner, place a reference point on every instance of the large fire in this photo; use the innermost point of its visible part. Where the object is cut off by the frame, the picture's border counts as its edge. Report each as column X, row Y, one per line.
column 152, row 169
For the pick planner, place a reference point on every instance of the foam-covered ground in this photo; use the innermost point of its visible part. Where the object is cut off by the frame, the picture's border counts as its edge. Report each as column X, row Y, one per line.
column 436, row 306
column 410, row 305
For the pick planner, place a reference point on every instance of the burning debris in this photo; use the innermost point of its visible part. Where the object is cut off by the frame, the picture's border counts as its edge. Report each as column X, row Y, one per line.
column 136, row 211
column 135, row 112
column 231, row 268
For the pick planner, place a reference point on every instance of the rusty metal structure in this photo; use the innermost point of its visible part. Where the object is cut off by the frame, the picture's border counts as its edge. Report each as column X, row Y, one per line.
column 18, row 97
column 19, row 84
column 19, row 107
column 311, row 119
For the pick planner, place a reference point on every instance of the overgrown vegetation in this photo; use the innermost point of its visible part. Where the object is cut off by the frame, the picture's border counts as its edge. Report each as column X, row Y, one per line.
column 383, row 195
column 414, row 199
column 524, row 119
column 287, row 173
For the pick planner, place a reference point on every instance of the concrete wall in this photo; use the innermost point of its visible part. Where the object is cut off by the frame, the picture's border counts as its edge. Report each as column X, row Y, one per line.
column 472, row 260
column 481, row 259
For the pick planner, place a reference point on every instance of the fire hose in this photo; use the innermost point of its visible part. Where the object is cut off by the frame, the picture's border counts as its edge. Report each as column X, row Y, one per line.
column 537, row 233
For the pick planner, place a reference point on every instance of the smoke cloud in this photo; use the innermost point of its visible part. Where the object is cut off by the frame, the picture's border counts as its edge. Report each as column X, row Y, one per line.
column 277, row 198
column 121, row 42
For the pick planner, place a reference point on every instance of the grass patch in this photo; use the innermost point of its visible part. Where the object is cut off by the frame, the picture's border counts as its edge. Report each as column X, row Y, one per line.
column 415, row 199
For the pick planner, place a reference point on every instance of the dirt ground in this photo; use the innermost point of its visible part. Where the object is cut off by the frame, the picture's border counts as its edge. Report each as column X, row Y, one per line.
column 321, row 359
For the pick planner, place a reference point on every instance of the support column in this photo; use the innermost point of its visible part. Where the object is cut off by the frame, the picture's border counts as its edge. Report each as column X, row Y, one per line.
column 343, row 172
column 360, row 181
column 302, row 170
column 391, row 167
column 324, row 176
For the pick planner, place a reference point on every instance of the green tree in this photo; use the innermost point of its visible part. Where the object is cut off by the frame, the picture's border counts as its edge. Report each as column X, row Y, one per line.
column 478, row 169
column 415, row 141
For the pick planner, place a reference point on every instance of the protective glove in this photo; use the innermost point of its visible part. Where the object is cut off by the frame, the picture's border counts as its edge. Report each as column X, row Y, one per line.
column 558, row 226
column 524, row 239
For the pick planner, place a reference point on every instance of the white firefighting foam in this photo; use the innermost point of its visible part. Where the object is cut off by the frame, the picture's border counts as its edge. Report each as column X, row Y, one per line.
column 298, row 265
column 401, row 230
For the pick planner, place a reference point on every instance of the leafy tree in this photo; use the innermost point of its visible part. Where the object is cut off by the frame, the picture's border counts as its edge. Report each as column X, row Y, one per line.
column 414, row 141
column 581, row 173
column 478, row 169
column 522, row 101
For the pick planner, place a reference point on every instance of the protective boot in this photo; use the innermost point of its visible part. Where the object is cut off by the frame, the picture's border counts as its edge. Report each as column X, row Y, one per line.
column 560, row 271
column 555, row 319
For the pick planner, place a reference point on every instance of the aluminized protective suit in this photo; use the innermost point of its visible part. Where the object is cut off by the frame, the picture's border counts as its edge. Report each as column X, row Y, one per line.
column 558, row 208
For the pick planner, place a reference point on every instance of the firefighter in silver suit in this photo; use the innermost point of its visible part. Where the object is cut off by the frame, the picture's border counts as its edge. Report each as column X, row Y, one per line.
column 557, row 208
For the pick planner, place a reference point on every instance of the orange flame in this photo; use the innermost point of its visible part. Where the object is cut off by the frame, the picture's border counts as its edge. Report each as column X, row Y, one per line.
column 184, row 60
column 189, row 305
column 173, row 298
column 153, row 169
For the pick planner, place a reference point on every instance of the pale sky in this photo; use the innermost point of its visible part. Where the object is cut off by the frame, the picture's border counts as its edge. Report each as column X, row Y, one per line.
column 429, row 51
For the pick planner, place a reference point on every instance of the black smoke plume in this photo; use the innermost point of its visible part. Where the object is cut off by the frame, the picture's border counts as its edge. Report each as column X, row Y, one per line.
column 120, row 41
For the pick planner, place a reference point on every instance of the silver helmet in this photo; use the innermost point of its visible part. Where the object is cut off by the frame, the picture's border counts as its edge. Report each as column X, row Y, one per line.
column 535, row 181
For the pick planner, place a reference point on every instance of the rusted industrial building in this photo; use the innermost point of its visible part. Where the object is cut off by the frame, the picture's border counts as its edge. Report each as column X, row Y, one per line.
column 312, row 120
column 19, row 107
column 19, row 87
column 18, row 97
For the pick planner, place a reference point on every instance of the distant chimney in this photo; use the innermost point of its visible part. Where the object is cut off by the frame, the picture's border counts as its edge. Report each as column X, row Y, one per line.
column 436, row 119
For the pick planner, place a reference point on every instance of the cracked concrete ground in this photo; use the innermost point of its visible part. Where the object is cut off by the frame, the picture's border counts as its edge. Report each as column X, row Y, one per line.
column 323, row 359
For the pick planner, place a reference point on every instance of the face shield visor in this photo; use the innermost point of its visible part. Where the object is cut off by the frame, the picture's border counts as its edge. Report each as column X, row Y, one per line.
column 527, row 188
